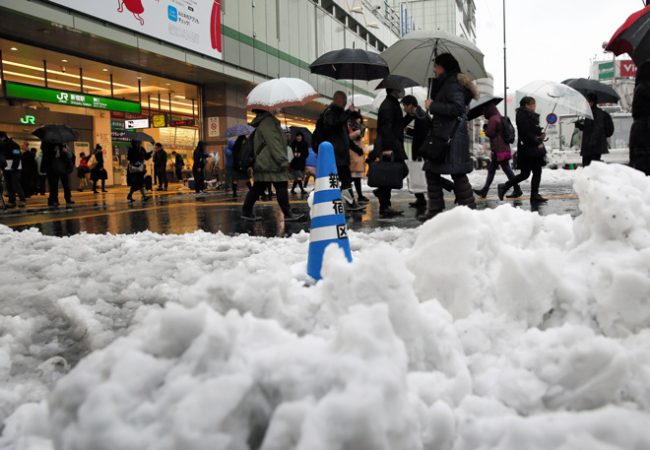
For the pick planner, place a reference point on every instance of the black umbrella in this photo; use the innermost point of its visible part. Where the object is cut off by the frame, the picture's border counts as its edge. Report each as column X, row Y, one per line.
column 350, row 64
column 56, row 133
column 477, row 107
column 396, row 82
column 605, row 93
column 305, row 133
column 140, row 137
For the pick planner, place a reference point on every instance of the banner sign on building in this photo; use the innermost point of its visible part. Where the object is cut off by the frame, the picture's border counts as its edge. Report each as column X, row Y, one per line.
column 191, row 24
column 627, row 69
column 46, row 95
column 136, row 124
column 606, row 71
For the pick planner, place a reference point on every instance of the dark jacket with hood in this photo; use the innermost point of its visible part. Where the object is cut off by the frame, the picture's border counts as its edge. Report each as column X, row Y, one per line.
column 595, row 133
column 640, row 132
column 421, row 126
column 390, row 129
column 494, row 132
column 451, row 95
column 335, row 130
column 530, row 136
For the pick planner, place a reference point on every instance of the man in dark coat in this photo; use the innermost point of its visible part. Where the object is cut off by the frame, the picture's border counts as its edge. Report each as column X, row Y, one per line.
column 451, row 94
column 421, row 126
column 178, row 166
column 531, row 152
column 11, row 167
column 595, row 132
column 160, row 166
column 58, row 163
column 332, row 126
column 640, row 132
column 29, row 172
column 389, row 145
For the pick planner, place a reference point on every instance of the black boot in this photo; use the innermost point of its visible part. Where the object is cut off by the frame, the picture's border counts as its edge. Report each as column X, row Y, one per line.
column 420, row 201
column 516, row 193
column 463, row 191
column 481, row 192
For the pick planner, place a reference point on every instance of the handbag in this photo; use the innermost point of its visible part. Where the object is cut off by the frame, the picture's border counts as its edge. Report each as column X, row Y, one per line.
column 436, row 148
column 387, row 174
column 417, row 180
column 136, row 168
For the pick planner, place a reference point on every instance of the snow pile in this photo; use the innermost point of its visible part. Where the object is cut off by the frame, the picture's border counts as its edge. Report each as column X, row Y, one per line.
column 495, row 329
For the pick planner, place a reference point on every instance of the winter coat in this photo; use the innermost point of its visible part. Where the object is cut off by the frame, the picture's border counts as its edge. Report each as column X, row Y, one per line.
column 335, row 130
column 595, row 133
column 300, row 153
column 136, row 156
column 530, row 136
column 271, row 162
column 56, row 160
column 494, row 132
column 98, row 172
column 390, row 130
column 11, row 155
column 29, row 164
column 421, row 126
column 640, row 132
column 160, row 161
column 179, row 163
column 452, row 94
column 200, row 158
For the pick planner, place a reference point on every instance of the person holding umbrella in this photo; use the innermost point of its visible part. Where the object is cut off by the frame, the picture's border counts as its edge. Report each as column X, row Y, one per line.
column 640, row 132
column 451, row 94
column 531, row 152
column 58, row 163
column 271, row 166
column 595, row 132
column 501, row 135
column 136, row 171
column 10, row 158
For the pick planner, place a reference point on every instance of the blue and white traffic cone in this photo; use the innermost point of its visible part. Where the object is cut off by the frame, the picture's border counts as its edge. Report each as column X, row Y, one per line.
column 328, row 224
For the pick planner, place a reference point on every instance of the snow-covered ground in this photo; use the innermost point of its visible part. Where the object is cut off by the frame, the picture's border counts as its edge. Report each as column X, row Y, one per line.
column 497, row 329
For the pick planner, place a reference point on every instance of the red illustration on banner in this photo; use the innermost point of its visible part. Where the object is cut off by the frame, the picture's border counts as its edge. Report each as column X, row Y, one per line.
column 134, row 6
column 215, row 25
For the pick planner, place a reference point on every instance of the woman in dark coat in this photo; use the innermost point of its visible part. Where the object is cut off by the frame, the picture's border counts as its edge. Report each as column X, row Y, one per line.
column 531, row 153
column 298, row 163
column 137, row 156
column 451, row 94
column 97, row 170
column 198, row 168
column 640, row 132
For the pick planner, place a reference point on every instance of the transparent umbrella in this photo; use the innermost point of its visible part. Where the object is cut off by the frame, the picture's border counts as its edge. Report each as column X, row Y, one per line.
column 552, row 97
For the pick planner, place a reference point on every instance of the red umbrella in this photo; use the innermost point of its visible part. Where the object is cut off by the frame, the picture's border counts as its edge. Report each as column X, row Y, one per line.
column 631, row 34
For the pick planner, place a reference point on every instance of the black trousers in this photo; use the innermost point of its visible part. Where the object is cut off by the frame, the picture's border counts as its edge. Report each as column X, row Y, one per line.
column 461, row 186
column 179, row 173
column 162, row 179
column 345, row 177
column 12, row 177
column 492, row 170
column 586, row 160
column 199, row 180
column 53, row 179
column 258, row 189
column 524, row 175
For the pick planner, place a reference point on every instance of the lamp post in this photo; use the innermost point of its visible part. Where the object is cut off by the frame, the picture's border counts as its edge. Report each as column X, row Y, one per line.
column 505, row 63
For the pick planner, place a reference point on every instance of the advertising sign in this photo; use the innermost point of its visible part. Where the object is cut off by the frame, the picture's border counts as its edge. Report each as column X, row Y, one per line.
column 606, row 71
column 159, row 120
column 182, row 123
column 628, row 69
column 136, row 124
column 191, row 24
column 45, row 95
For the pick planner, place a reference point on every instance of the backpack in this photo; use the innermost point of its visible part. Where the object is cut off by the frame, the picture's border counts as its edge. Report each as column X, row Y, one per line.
column 608, row 125
column 508, row 130
column 244, row 159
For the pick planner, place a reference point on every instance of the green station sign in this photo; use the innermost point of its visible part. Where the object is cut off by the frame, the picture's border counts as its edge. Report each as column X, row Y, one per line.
column 606, row 71
column 46, row 95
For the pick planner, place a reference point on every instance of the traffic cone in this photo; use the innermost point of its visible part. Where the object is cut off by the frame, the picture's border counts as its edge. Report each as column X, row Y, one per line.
column 328, row 224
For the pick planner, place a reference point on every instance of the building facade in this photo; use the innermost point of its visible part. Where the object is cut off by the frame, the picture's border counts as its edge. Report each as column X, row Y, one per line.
column 457, row 17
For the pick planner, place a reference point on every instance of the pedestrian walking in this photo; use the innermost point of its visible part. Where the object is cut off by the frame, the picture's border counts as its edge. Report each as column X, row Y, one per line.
column 271, row 166
column 179, row 163
column 451, row 93
column 501, row 153
column 531, row 152
column 640, row 132
column 198, row 168
column 300, row 151
column 28, row 174
column 160, row 166
column 83, row 171
column 389, row 145
column 137, row 170
column 97, row 169
column 421, row 126
column 58, row 163
column 11, row 164
column 332, row 126
column 595, row 132
column 357, row 131
column 42, row 176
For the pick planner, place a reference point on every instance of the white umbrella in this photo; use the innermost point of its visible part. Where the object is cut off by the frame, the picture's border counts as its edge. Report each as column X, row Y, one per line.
column 413, row 55
column 419, row 92
column 281, row 93
column 552, row 97
column 360, row 100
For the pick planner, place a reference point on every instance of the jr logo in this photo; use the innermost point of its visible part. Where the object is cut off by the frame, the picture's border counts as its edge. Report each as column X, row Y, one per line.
column 28, row 120
column 62, row 97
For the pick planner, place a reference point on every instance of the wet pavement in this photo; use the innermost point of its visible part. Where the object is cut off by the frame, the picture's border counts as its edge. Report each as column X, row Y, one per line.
column 179, row 210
